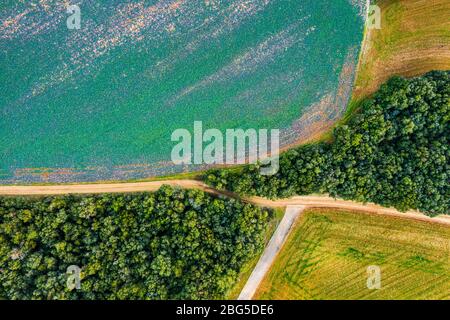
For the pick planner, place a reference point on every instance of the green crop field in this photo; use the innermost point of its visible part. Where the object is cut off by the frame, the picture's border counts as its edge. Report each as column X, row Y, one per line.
column 101, row 103
column 328, row 253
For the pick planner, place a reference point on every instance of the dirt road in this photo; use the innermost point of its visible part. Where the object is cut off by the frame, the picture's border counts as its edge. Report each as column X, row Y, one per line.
column 307, row 201
column 270, row 252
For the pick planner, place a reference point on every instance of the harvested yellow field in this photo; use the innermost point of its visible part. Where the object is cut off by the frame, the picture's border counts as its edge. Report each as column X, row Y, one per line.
column 328, row 254
column 414, row 38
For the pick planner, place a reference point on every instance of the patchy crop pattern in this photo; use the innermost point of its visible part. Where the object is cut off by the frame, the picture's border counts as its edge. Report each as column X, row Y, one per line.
column 100, row 103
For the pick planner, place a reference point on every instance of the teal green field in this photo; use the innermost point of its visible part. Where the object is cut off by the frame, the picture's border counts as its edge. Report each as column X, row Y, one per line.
column 101, row 102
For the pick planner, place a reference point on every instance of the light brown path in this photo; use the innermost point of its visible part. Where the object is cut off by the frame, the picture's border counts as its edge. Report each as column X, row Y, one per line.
column 307, row 201
column 270, row 252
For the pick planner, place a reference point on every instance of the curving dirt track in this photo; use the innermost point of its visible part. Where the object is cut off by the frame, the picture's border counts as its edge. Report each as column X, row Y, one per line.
column 307, row 201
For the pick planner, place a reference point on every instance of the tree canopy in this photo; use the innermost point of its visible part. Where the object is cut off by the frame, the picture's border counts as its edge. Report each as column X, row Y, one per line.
column 172, row 244
column 394, row 152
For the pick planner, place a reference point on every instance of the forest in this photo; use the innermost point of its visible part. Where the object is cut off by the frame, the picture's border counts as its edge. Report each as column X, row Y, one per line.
column 187, row 244
column 394, row 152
column 172, row 244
